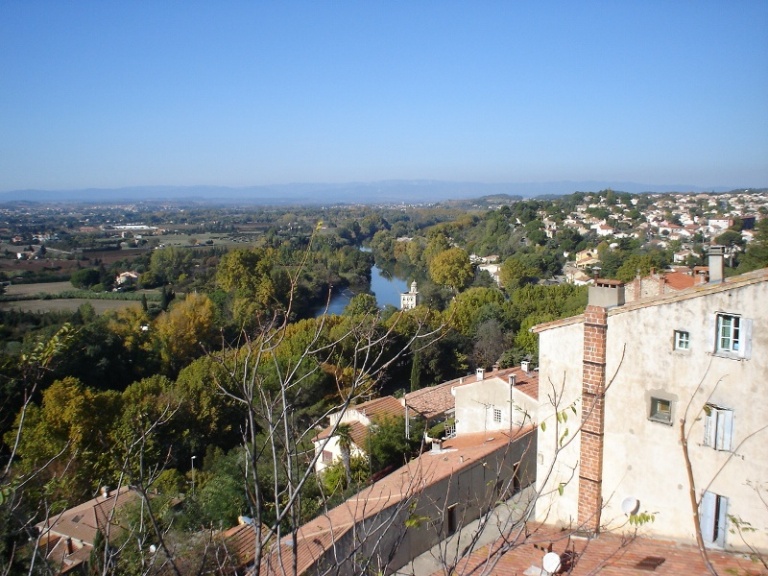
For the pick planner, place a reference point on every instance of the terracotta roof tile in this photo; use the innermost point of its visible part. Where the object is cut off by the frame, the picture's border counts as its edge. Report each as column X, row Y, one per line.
column 609, row 554
column 437, row 400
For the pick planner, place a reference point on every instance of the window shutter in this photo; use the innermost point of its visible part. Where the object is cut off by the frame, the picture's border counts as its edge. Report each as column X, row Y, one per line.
column 722, row 520
column 707, row 517
column 725, row 423
column 710, row 425
column 713, row 332
column 745, row 350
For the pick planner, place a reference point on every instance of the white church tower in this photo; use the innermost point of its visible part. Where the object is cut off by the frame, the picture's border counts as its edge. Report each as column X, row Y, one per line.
column 409, row 300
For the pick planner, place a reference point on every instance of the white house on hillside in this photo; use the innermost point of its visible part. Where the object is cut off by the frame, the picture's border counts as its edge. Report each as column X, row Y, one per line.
column 359, row 418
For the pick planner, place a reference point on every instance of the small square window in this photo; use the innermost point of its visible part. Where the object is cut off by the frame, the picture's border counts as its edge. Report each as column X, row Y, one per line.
column 496, row 415
column 661, row 410
column 327, row 456
column 682, row 340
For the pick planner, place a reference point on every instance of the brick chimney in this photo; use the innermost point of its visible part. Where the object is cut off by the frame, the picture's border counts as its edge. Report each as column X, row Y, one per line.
column 592, row 418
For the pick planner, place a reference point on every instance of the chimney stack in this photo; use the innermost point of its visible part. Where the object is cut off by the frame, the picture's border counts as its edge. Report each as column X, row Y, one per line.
column 480, row 374
column 525, row 366
column 716, row 260
column 512, row 380
column 606, row 293
column 592, row 418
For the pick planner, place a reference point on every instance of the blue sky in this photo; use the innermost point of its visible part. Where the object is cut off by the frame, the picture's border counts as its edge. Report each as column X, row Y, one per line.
column 110, row 94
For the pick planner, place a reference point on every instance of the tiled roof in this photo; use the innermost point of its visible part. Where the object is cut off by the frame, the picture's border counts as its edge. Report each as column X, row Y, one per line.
column 384, row 406
column 436, row 400
column 609, row 554
column 379, row 408
column 68, row 537
column 240, row 543
column 314, row 538
column 84, row 520
column 679, row 280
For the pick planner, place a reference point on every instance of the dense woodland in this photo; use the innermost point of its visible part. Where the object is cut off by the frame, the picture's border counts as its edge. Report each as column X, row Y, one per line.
column 234, row 343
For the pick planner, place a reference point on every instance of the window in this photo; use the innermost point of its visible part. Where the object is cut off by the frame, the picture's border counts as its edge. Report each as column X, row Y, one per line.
column 718, row 427
column 713, row 515
column 496, row 415
column 733, row 336
column 451, row 520
column 728, row 333
column 327, row 456
column 661, row 410
column 682, row 340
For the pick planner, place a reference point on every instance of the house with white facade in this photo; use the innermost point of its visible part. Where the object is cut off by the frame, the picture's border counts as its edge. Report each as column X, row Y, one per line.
column 655, row 406
column 360, row 418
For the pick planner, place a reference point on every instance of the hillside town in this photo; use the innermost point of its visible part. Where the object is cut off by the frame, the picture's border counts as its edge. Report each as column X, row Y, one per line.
column 623, row 440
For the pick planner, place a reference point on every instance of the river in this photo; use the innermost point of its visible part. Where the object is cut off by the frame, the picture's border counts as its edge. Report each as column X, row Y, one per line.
column 386, row 287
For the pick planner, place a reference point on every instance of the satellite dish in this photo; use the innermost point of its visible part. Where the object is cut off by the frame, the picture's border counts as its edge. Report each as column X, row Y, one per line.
column 152, row 548
column 551, row 562
column 630, row 505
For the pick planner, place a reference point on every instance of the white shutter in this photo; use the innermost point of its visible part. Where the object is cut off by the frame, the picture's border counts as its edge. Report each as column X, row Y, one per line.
column 710, row 425
column 725, row 429
column 745, row 346
column 713, row 329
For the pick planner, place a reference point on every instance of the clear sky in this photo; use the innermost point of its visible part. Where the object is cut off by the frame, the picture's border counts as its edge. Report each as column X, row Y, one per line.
column 110, row 94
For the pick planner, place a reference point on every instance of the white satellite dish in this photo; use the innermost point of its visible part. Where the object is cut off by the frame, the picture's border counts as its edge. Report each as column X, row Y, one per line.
column 551, row 562
column 629, row 505
column 152, row 548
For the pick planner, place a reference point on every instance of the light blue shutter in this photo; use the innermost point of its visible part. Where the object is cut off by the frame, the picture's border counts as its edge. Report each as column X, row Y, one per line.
column 710, row 425
column 722, row 519
column 707, row 517
column 745, row 349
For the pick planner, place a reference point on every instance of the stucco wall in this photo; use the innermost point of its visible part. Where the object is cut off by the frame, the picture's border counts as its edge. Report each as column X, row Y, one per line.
column 475, row 404
column 557, row 471
column 643, row 458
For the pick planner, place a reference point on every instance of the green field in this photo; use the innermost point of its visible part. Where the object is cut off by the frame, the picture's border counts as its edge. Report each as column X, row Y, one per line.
column 59, row 304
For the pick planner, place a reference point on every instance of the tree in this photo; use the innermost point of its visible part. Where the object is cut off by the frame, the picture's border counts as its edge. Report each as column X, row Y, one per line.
column 344, row 438
column 388, row 444
column 451, row 268
column 514, row 273
column 489, row 344
column 186, row 332
column 85, row 278
column 169, row 265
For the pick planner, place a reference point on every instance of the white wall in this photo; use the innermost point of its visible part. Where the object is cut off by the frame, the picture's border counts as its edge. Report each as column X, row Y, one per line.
column 475, row 404
column 643, row 458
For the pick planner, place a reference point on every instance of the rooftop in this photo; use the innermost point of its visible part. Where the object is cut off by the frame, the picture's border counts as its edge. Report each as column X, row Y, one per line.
column 314, row 538
column 731, row 283
column 436, row 400
column 609, row 554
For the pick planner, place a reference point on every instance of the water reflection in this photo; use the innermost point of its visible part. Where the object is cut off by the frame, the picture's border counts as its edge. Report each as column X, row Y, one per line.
column 386, row 286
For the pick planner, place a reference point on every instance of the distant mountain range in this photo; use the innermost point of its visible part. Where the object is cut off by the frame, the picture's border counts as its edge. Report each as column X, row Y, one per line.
column 388, row 191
